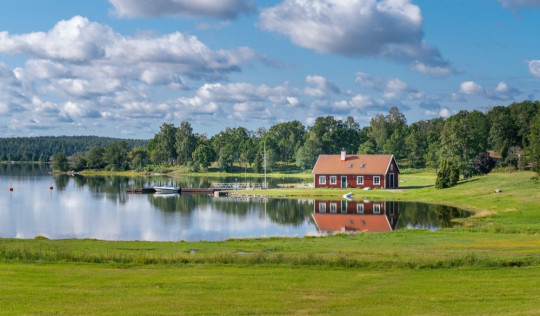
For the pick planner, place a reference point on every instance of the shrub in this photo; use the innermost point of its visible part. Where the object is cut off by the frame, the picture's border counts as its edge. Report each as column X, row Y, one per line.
column 483, row 164
column 447, row 175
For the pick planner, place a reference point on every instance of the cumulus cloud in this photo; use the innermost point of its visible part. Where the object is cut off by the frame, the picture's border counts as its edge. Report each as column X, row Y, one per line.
column 223, row 9
column 470, row 88
column 396, row 88
column 534, row 67
column 503, row 92
column 80, row 42
column 389, row 29
column 318, row 86
column 393, row 88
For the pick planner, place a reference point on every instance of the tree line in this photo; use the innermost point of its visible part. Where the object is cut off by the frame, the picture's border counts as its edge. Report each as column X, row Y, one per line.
column 44, row 147
column 509, row 134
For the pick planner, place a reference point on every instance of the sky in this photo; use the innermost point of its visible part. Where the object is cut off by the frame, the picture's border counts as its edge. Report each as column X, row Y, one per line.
column 122, row 68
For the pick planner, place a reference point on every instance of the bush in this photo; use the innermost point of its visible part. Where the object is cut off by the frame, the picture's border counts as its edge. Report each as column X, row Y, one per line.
column 447, row 175
column 483, row 164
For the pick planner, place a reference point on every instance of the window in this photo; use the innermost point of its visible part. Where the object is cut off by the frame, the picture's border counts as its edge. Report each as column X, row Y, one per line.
column 322, row 179
column 322, row 207
column 376, row 180
column 391, row 167
column 376, row 209
column 360, row 180
column 333, row 207
column 333, row 179
column 360, row 208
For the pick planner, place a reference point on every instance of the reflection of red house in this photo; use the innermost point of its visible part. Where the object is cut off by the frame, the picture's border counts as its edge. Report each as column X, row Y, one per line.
column 356, row 171
column 355, row 216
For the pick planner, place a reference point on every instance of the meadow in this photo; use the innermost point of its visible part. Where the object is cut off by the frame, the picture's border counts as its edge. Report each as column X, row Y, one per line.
column 489, row 264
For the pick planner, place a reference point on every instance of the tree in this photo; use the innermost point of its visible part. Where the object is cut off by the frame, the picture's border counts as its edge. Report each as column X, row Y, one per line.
column 203, row 155
column 396, row 143
column 94, row 158
column 416, row 144
column 483, row 164
column 534, row 144
column 60, row 162
column 138, row 158
column 307, row 155
column 185, row 142
column 502, row 131
column 287, row 137
column 463, row 138
column 447, row 175
column 115, row 156
column 367, row 148
column 163, row 147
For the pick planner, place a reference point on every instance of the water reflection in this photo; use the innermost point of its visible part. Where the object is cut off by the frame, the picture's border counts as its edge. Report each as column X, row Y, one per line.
column 381, row 216
column 98, row 207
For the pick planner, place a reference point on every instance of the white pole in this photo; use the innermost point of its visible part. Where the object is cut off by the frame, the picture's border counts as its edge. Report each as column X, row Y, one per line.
column 265, row 166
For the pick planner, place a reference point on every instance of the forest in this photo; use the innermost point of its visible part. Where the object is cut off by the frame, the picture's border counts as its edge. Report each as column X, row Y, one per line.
column 508, row 135
column 44, row 147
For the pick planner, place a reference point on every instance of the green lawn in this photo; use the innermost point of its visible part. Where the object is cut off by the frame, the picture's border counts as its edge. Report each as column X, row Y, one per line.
column 72, row 289
column 489, row 265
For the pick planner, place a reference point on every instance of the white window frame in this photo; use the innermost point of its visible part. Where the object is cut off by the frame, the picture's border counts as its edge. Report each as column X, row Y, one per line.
column 322, row 207
column 333, row 180
column 333, row 207
column 322, row 179
column 376, row 209
column 360, row 180
column 377, row 180
column 360, row 208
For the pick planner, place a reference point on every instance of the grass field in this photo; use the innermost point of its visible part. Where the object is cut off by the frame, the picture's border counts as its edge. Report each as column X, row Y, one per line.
column 488, row 265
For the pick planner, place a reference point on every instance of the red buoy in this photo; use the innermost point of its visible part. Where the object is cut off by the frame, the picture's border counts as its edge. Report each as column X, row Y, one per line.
column 51, row 187
column 10, row 189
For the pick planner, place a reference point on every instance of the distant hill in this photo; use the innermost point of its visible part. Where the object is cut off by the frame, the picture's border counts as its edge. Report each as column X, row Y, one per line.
column 32, row 148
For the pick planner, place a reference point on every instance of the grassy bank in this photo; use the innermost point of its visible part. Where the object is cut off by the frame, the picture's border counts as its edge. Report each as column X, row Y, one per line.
column 490, row 265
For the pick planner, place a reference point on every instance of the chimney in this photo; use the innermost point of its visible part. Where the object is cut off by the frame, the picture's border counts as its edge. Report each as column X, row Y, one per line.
column 343, row 155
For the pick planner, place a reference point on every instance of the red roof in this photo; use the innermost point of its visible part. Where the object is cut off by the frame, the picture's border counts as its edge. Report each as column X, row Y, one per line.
column 353, row 164
column 351, row 223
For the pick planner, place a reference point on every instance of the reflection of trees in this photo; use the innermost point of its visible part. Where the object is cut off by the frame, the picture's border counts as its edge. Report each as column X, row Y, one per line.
column 61, row 182
column 176, row 203
column 427, row 216
column 24, row 170
column 446, row 214
column 285, row 211
column 281, row 211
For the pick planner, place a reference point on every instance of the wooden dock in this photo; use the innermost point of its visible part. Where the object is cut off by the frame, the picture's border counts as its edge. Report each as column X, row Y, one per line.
column 180, row 190
column 140, row 190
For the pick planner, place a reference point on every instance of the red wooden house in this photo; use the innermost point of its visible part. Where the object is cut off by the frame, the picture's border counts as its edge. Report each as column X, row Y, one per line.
column 356, row 171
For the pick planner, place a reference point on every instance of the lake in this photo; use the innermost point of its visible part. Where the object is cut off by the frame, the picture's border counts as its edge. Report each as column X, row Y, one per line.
column 99, row 208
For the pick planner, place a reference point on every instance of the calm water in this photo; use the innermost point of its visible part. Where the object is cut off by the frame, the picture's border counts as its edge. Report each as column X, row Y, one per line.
column 98, row 207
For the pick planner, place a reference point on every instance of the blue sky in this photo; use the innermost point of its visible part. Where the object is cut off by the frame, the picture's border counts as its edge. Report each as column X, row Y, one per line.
column 122, row 68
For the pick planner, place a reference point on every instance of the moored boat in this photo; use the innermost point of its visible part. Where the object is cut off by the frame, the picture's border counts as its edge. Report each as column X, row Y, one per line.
column 166, row 189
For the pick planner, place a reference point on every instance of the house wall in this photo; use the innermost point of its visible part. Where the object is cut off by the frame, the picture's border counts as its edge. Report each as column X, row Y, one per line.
column 351, row 181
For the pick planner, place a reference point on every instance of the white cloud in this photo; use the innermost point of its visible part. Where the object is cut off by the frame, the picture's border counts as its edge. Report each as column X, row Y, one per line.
column 534, row 67
column 318, row 86
column 389, row 29
column 224, row 9
column 470, row 88
column 369, row 81
column 503, row 92
column 445, row 113
column 79, row 42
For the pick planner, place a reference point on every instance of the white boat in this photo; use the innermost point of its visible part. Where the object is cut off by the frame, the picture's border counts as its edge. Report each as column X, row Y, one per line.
column 348, row 195
column 166, row 189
